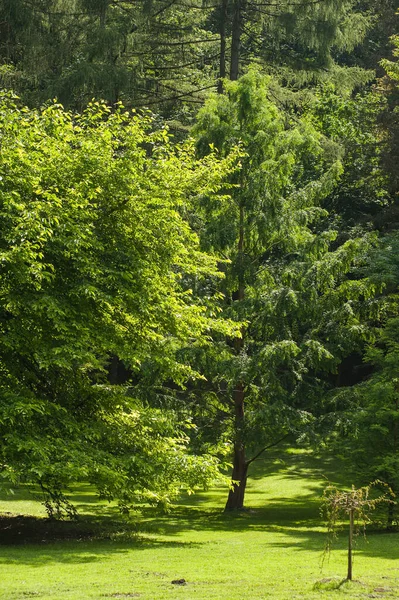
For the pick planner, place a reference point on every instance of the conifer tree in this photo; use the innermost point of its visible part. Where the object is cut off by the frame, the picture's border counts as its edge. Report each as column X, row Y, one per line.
column 367, row 432
column 283, row 282
column 389, row 87
column 139, row 52
column 300, row 40
column 168, row 55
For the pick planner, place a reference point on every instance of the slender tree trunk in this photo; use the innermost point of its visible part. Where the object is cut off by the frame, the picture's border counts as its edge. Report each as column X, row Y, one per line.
column 235, row 500
column 222, row 31
column 350, row 542
column 236, row 39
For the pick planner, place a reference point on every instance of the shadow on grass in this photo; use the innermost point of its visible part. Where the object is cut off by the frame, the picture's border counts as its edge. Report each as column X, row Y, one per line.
column 307, row 465
column 36, row 541
column 300, row 512
column 82, row 495
column 101, row 533
column 297, row 536
column 75, row 553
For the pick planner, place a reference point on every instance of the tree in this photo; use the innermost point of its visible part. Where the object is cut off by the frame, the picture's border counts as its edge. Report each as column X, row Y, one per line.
column 389, row 87
column 139, row 52
column 283, row 281
column 168, row 55
column 300, row 39
column 368, row 425
column 353, row 122
column 392, row 67
column 94, row 245
column 357, row 504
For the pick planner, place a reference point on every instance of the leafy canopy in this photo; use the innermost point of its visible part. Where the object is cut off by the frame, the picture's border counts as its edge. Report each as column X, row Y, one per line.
column 288, row 276
column 94, row 244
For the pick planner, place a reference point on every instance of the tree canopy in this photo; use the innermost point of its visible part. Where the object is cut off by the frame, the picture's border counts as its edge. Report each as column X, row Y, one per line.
column 94, row 245
column 170, row 301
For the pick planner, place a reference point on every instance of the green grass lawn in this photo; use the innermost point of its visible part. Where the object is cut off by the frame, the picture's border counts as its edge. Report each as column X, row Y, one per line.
column 274, row 550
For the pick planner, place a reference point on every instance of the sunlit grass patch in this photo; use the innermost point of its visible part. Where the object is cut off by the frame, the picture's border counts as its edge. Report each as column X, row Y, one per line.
column 271, row 551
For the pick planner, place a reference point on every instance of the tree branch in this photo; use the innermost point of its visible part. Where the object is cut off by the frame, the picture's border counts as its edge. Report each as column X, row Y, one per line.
column 176, row 67
column 161, row 10
column 266, row 448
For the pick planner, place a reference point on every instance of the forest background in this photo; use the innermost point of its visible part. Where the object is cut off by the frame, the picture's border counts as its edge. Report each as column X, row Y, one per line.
column 199, row 248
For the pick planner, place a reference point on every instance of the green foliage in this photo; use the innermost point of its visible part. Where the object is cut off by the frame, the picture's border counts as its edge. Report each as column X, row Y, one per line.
column 354, row 124
column 390, row 122
column 338, row 504
column 169, row 55
column 94, row 246
column 308, row 42
column 392, row 67
column 369, row 419
column 302, row 312
column 99, row 259
column 357, row 504
column 141, row 53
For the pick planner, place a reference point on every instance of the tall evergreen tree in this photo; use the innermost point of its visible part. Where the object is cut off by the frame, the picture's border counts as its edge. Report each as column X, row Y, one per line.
column 368, row 435
column 282, row 281
column 139, row 52
column 299, row 40
column 390, row 121
column 354, row 122
column 170, row 54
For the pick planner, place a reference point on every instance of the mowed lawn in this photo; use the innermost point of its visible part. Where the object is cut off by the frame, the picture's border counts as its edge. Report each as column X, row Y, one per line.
column 274, row 550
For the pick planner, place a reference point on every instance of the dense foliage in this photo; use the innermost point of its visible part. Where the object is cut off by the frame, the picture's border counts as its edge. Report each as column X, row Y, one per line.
column 166, row 302
column 167, row 55
column 301, row 312
column 94, row 245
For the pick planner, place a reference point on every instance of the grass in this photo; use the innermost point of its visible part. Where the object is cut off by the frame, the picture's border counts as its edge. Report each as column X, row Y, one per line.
column 272, row 551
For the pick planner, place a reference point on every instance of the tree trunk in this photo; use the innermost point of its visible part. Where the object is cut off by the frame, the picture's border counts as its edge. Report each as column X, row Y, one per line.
column 222, row 32
column 235, row 500
column 236, row 39
column 350, row 542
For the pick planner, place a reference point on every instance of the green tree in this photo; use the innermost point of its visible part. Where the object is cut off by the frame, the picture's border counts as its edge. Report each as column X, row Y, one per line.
column 143, row 53
column 283, row 281
column 168, row 55
column 354, row 122
column 300, row 39
column 390, row 121
column 392, row 67
column 368, row 413
column 93, row 247
column 367, row 435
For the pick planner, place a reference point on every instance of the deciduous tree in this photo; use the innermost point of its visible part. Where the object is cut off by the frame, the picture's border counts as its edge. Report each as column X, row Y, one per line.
column 93, row 247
